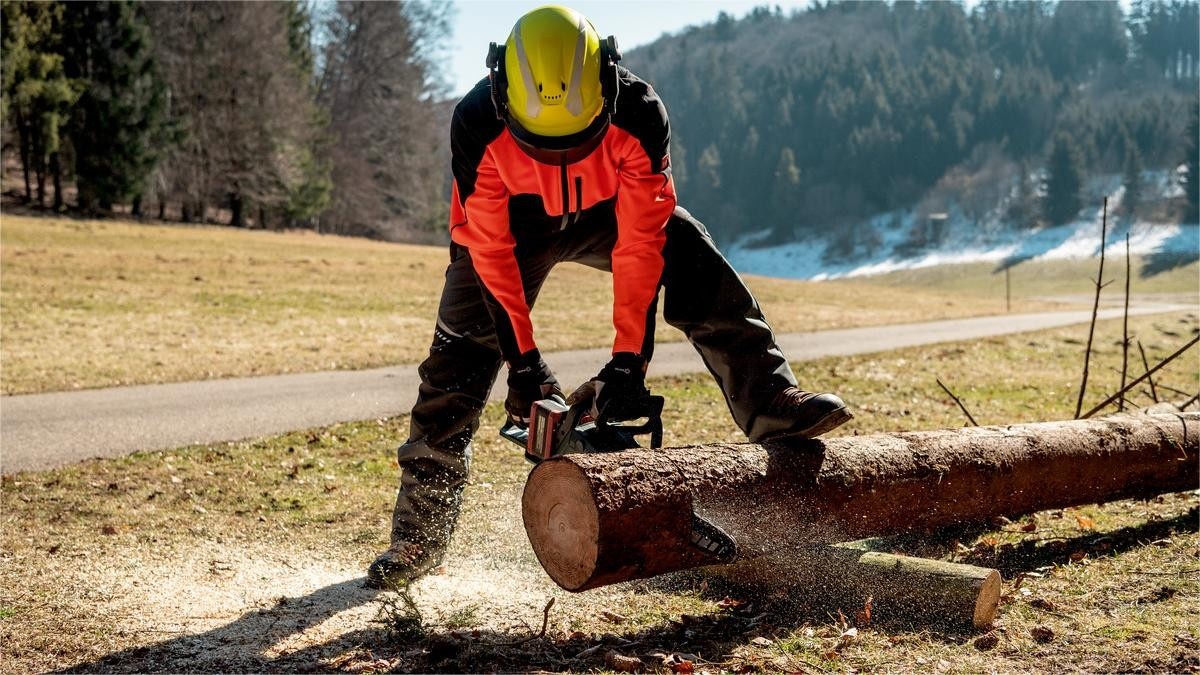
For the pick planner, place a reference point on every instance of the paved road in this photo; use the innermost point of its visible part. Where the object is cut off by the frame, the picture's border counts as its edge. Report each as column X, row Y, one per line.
column 41, row 431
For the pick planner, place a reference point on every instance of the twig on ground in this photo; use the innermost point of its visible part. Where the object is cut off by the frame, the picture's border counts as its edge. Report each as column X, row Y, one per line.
column 540, row 634
column 1138, row 381
column 960, row 403
column 1125, row 327
column 1168, row 574
column 1087, row 354
column 1146, row 366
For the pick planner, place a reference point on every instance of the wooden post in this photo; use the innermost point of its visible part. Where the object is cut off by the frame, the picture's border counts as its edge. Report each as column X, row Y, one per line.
column 599, row 519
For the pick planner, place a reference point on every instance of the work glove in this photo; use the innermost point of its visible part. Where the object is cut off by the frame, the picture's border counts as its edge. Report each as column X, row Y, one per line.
column 617, row 390
column 529, row 380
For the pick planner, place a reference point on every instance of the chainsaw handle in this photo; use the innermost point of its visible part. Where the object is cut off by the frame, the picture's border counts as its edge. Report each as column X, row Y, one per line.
column 650, row 407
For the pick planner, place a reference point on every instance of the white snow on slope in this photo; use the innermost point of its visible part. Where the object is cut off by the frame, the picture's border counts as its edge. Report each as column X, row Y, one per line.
column 889, row 242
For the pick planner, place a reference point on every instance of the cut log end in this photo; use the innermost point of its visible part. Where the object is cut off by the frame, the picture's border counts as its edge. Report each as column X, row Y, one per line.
column 565, row 527
column 988, row 602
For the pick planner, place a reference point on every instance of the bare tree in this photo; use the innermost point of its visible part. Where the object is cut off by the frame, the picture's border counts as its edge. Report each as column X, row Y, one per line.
column 243, row 103
column 379, row 88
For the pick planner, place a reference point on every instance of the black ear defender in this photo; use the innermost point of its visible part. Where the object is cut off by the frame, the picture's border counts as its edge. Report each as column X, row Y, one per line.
column 496, row 75
column 610, row 55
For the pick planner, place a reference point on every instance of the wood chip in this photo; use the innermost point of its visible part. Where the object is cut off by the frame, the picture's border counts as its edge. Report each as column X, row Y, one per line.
column 623, row 664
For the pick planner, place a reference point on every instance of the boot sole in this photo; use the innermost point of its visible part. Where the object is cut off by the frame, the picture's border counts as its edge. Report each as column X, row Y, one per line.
column 386, row 582
column 831, row 421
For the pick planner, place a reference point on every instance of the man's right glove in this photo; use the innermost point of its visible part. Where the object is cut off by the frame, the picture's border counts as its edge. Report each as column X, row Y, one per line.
column 529, row 380
column 618, row 389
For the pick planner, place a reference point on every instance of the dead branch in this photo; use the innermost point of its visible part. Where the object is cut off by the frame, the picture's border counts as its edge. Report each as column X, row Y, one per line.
column 956, row 400
column 1189, row 401
column 1146, row 367
column 1138, row 381
column 1125, row 327
column 540, row 634
column 1087, row 354
column 1173, row 390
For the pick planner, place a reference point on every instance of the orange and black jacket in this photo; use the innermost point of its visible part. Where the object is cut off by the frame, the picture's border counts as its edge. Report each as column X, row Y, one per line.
column 630, row 168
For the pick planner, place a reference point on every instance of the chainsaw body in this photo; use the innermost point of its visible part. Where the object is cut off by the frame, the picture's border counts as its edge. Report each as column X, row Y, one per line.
column 558, row 429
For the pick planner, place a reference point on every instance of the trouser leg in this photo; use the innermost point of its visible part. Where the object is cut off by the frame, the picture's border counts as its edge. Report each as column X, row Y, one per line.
column 456, row 378
column 706, row 299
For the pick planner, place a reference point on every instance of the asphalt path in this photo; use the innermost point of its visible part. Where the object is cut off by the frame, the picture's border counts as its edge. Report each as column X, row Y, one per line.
column 42, row 431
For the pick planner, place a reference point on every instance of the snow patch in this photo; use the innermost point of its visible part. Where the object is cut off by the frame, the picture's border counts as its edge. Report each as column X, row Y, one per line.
column 897, row 240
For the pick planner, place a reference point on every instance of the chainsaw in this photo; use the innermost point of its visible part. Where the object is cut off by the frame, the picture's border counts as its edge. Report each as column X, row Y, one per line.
column 558, row 429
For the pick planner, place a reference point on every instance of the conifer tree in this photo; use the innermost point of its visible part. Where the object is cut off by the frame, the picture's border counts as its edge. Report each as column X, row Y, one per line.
column 37, row 94
column 118, row 126
column 1191, row 178
column 1132, row 181
column 1064, row 180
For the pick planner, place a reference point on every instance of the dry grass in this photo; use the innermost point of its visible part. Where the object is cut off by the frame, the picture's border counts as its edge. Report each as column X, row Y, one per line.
column 246, row 556
column 103, row 303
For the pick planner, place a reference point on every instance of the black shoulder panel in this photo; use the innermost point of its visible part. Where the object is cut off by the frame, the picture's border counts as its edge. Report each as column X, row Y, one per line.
column 472, row 128
column 642, row 113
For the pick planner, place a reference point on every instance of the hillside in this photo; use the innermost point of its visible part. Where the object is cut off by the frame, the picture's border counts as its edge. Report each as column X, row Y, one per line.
column 910, row 239
column 796, row 123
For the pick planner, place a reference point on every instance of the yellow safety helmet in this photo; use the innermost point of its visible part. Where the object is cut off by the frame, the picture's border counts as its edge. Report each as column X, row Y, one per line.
column 554, row 81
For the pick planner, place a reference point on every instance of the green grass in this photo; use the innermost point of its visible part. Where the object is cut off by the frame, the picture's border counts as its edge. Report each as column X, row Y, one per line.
column 103, row 303
column 106, row 559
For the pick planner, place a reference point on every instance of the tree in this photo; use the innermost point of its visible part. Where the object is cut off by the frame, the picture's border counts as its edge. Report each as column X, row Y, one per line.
column 1191, row 178
column 1132, row 181
column 377, row 85
column 37, row 94
column 242, row 95
column 1064, row 181
column 118, row 126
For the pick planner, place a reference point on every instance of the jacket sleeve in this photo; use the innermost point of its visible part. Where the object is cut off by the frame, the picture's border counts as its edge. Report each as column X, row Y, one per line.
column 645, row 201
column 479, row 222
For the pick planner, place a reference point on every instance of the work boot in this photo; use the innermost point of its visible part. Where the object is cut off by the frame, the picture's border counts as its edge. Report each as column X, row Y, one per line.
column 403, row 562
column 808, row 415
column 427, row 505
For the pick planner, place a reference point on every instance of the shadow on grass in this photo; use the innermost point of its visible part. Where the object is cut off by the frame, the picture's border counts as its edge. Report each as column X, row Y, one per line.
column 1183, row 248
column 1029, row 555
column 765, row 610
column 1035, row 244
column 239, row 646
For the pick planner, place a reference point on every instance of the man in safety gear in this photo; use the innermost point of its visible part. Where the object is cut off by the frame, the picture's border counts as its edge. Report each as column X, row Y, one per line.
column 562, row 155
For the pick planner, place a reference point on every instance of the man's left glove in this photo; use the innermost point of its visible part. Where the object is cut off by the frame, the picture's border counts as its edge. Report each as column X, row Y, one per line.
column 617, row 390
column 529, row 380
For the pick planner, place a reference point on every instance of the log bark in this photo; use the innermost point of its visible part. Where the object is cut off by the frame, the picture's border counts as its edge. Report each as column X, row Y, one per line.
column 601, row 519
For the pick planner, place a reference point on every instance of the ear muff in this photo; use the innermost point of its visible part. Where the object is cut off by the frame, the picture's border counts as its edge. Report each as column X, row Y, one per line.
column 610, row 55
column 495, row 65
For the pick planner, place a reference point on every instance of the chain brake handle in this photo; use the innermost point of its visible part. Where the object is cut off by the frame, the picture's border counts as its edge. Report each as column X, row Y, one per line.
column 648, row 406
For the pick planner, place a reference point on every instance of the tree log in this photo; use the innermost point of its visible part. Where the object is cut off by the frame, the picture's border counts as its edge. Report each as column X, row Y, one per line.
column 600, row 519
column 901, row 588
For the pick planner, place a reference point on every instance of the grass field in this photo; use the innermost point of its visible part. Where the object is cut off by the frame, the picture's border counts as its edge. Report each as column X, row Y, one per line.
column 103, row 303
column 247, row 556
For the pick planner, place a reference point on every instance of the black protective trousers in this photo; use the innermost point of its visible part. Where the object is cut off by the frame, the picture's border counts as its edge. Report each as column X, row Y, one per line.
column 702, row 296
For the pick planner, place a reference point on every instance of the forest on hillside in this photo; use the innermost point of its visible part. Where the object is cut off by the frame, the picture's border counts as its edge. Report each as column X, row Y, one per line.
column 333, row 116
column 795, row 122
